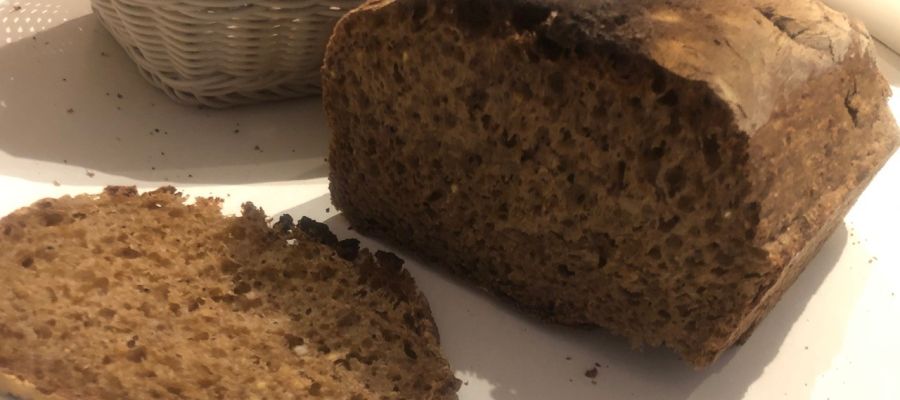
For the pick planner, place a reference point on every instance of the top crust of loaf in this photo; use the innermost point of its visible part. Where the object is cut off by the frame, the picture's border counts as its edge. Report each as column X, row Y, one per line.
column 784, row 43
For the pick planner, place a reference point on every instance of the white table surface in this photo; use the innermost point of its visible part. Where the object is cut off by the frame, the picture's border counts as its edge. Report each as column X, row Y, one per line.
column 835, row 335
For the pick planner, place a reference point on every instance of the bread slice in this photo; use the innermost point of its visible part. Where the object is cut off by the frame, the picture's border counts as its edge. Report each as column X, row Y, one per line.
column 139, row 296
column 664, row 169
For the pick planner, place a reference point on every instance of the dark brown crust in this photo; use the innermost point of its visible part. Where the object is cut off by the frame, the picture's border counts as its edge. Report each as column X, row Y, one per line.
column 656, row 30
column 385, row 270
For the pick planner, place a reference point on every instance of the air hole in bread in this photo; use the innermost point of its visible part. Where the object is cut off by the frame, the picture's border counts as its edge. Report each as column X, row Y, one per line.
column 53, row 219
column 670, row 99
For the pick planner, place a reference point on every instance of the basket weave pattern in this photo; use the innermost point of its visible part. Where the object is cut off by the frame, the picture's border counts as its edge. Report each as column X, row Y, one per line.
column 220, row 53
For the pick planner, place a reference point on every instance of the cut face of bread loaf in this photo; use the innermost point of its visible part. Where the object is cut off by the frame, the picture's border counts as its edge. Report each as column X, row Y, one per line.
column 140, row 296
column 661, row 169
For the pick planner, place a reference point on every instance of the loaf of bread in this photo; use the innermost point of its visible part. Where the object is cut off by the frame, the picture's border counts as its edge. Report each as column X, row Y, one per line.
column 140, row 296
column 663, row 169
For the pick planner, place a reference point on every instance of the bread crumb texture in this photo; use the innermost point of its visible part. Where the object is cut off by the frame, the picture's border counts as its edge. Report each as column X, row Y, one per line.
column 140, row 296
column 661, row 169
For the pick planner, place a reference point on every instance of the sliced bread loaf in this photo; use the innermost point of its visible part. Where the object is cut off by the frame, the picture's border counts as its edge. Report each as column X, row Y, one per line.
column 664, row 169
column 140, row 296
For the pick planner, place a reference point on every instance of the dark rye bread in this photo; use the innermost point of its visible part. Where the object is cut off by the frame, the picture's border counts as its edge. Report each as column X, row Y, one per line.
column 139, row 296
column 664, row 169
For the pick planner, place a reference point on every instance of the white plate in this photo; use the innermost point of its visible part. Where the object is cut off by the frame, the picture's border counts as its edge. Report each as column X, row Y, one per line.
column 834, row 335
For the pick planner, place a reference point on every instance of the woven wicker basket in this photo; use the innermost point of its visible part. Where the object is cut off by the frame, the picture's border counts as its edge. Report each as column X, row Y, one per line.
column 221, row 53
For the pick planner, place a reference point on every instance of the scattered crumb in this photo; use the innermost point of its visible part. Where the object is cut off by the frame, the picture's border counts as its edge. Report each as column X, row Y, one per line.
column 46, row 43
column 237, row 131
column 17, row 8
column 102, row 54
column 328, row 209
column 156, row 130
column 591, row 373
column 593, row 382
column 107, row 93
column 190, row 176
column 118, row 139
column 119, row 95
column 466, row 383
column 64, row 80
column 257, row 148
column 162, row 153
column 570, row 379
column 153, row 168
column 70, row 110
column 65, row 161
column 805, row 347
column 568, row 358
column 55, row 183
column 90, row 174
column 118, row 108
column 165, row 132
column 596, row 364
column 293, row 150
